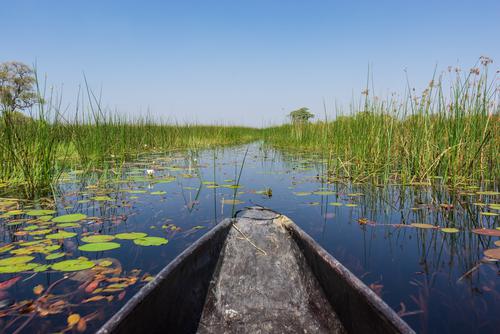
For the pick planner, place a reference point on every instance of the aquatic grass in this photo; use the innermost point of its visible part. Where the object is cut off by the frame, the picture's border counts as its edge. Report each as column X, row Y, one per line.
column 414, row 139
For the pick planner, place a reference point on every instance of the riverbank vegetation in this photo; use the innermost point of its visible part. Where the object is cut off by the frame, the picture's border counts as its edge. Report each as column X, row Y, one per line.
column 450, row 131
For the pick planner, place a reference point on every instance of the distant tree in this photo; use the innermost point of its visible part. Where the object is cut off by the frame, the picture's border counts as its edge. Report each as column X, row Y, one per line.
column 301, row 115
column 17, row 86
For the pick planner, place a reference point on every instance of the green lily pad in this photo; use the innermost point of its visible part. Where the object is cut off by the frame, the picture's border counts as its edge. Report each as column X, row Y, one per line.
column 336, row 204
column 324, row 193
column 41, row 268
column 40, row 232
column 99, row 246
column 69, row 218
column 40, row 212
column 158, row 193
column 54, row 256
column 131, row 235
column 232, row 201
column 66, row 225
column 98, row 238
column 14, row 260
column 424, row 226
column 302, row 193
column 6, row 248
column 450, row 230
column 61, row 235
column 151, row 241
column 16, row 268
column 73, row 265
column 102, row 198
column 30, row 228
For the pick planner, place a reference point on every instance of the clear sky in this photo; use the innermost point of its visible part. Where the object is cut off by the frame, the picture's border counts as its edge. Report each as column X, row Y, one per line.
column 243, row 61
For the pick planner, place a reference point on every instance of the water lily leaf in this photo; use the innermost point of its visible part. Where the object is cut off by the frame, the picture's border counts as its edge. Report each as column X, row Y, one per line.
column 30, row 228
column 73, row 265
column 418, row 225
column 16, row 268
column 40, row 212
column 102, row 198
column 41, row 268
column 450, row 230
column 493, row 253
column 131, row 235
column 40, row 232
column 52, row 248
column 69, row 218
column 351, row 205
column 487, row 231
column 497, row 243
column 158, row 193
column 336, row 204
column 99, row 246
column 54, row 256
column 232, row 201
column 6, row 248
column 324, row 193
column 98, row 238
column 66, row 225
column 15, row 260
column 302, row 193
column 151, row 241
column 61, row 235
column 44, row 218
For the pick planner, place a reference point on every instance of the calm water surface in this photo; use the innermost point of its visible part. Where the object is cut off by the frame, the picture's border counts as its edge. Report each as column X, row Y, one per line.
column 439, row 282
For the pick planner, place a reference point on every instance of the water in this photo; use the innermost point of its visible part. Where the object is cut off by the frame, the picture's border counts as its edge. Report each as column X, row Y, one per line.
column 418, row 271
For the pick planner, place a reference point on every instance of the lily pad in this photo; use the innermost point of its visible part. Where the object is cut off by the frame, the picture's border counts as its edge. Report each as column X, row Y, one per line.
column 99, row 246
column 73, row 265
column 336, row 204
column 232, row 201
column 419, row 225
column 493, row 253
column 16, row 268
column 40, row 232
column 151, row 241
column 450, row 230
column 69, row 218
column 487, row 231
column 14, row 260
column 61, row 235
column 40, row 212
column 131, row 235
column 102, row 198
column 302, row 193
column 54, row 256
column 66, row 225
column 98, row 238
column 158, row 193
column 324, row 193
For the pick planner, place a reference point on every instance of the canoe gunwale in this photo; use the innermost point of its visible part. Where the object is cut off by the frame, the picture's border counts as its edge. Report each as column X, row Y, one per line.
column 115, row 321
column 394, row 322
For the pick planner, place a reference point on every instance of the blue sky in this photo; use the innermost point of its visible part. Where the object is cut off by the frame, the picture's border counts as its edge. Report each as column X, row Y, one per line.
column 243, row 62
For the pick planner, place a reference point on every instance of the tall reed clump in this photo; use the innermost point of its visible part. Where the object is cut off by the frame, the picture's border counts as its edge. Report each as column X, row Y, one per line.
column 449, row 131
column 29, row 141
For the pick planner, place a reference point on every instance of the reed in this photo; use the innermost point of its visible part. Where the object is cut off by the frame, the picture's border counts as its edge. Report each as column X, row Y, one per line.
column 453, row 136
column 449, row 131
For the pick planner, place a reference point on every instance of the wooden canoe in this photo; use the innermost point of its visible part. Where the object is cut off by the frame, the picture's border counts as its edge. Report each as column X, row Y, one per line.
column 258, row 273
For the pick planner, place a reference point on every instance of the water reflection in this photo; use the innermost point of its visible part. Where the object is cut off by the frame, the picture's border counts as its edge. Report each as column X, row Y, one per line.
column 438, row 281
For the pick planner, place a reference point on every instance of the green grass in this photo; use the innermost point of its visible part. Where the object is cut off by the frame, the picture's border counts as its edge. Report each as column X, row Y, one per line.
column 451, row 133
column 453, row 136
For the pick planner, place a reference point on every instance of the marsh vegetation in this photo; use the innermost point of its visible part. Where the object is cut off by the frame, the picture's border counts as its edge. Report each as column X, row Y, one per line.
column 404, row 191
